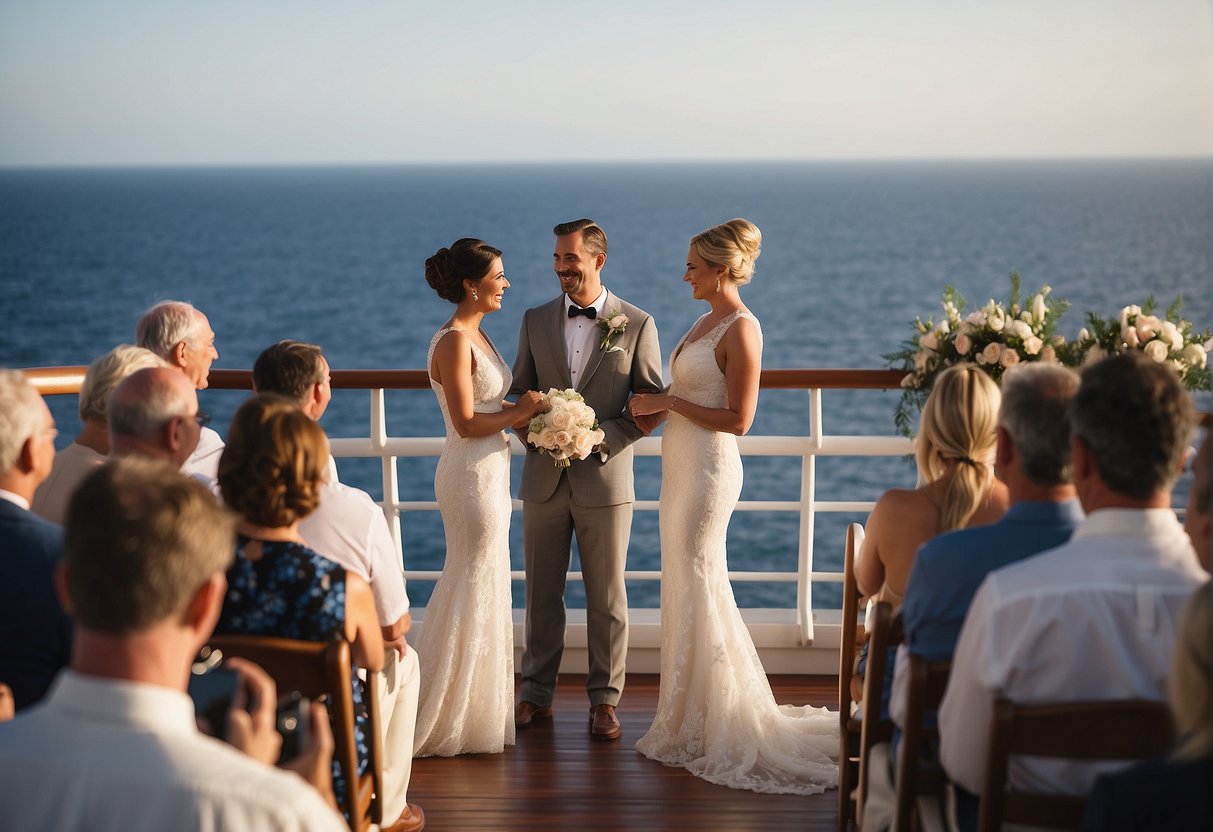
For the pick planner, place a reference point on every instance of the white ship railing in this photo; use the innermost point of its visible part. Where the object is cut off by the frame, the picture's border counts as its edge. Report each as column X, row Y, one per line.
column 770, row 627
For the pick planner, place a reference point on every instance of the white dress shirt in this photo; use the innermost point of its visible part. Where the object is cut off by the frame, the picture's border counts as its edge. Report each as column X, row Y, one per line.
column 1092, row 619
column 579, row 335
column 349, row 528
column 15, row 499
column 205, row 458
column 108, row 754
column 72, row 465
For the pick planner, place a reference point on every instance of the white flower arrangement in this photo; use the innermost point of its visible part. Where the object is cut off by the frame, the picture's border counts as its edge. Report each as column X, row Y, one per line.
column 994, row 337
column 567, row 430
column 998, row 336
column 612, row 322
column 1167, row 340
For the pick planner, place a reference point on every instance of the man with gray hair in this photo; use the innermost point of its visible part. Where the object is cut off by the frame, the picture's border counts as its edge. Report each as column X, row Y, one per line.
column 349, row 528
column 35, row 633
column 1033, row 459
column 154, row 413
column 92, row 445
column 1094, row 618
column 115, row 744
column 182, row 336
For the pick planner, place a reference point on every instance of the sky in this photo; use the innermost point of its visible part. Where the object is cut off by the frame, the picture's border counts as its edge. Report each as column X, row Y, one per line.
column 161, row 82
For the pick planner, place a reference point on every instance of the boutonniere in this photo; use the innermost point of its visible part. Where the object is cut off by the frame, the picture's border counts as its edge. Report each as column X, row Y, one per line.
column 611, row 323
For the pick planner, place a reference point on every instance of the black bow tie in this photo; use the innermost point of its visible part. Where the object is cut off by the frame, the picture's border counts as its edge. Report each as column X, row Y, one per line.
column 590, row 312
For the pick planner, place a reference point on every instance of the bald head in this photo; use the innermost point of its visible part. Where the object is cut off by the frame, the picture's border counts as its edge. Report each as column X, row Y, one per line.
column 152, row 413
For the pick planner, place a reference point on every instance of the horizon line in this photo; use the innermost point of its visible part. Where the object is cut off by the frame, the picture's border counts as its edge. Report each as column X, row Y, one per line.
column 1110, row 157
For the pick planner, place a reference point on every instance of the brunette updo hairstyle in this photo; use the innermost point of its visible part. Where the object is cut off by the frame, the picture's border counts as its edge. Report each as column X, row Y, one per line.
column 274, row 463
column 466, row 259
column 735, row 245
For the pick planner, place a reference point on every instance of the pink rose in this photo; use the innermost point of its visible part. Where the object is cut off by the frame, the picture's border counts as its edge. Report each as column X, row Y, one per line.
column 991, row 353
column 1008, row 358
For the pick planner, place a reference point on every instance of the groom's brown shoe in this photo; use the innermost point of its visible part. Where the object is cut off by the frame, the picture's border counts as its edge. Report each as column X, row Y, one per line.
column 528, row 712
column 604, row 725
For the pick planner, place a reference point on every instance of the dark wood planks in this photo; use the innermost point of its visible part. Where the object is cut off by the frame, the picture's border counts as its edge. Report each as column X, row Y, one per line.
column 556, row 777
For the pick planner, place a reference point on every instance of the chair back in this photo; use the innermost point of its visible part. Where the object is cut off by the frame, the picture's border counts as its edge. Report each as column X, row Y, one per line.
column 876, row 728
column 316, row 669
column 927, row 683
column 848, row 725
column 1126, row 729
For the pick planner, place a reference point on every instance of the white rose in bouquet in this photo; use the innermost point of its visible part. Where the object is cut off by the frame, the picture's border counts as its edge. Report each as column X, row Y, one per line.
column 1195, row 356
column 990, row 354
column 567, row 430
column 1156, row 351
column 1032, row 345
column 1019, row 329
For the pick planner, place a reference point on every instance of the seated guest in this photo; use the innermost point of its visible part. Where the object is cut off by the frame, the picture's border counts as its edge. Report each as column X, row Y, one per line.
column 1033, row 459
column 1171, row 793
column 115, row 745
column 956, row 486
column 92, row 445
column 154, row 413
column 35, row 633
column 1198, row 520
column 1096, row 617
column 349, row 528
column 271, row 473
column 182, row 336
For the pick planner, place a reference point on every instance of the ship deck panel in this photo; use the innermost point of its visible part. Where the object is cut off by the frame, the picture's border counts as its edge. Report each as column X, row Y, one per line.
column 556, row 777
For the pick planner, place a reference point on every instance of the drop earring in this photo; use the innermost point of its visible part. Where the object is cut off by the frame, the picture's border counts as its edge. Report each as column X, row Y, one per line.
column 718, row 284
column 475, row 297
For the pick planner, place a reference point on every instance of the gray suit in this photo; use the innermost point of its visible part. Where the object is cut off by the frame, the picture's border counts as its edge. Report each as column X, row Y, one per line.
column 591, row 498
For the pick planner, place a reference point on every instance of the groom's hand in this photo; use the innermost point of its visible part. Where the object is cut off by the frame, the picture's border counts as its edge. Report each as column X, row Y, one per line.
column 649, row 422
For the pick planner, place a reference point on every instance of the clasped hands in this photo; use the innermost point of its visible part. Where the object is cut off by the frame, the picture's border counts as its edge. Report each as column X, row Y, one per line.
column 649, row 410
column 528, row 404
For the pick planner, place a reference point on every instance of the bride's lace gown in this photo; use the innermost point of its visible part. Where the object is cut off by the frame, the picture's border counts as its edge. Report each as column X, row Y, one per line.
column 466, row 648
column 716, row 715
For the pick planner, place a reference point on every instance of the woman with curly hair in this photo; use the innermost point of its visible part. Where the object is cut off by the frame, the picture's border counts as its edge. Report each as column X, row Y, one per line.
column 270, row 474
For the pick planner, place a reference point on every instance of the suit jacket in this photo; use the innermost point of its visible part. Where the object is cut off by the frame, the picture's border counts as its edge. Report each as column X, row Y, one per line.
column 631, row 363
column 35, row 633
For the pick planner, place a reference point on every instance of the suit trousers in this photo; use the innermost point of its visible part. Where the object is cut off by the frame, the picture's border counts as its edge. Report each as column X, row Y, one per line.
column 602, row 543
column 399, row 685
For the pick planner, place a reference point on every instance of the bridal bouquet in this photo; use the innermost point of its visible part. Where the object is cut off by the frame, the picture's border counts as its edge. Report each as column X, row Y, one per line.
column 1168, row 339
column 994, row 337
column 567, row 430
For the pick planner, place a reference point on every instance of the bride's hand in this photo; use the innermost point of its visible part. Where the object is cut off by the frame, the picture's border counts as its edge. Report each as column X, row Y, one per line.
column 646, row 404
column 528, row 404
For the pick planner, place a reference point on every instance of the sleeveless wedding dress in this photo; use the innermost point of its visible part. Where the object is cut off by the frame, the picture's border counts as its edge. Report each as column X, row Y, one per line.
column 716, row 715
column 466, row 648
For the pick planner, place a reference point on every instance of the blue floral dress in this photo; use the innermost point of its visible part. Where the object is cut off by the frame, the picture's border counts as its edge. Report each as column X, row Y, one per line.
column 292, row 591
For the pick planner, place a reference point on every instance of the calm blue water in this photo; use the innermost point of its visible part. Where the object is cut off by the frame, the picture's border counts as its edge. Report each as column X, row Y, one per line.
column 851, row 253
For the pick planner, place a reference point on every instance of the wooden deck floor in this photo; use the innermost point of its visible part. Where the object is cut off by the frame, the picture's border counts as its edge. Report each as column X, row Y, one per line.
column 556, row 777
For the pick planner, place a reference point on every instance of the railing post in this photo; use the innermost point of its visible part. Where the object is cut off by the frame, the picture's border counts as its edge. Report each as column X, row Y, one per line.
column 391, row 485
column 808, row 516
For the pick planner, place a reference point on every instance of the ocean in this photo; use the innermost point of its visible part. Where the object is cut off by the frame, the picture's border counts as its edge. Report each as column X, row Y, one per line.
column 852, row 252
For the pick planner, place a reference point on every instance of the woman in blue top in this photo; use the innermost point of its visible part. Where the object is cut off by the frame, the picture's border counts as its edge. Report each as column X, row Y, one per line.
column 270, row 474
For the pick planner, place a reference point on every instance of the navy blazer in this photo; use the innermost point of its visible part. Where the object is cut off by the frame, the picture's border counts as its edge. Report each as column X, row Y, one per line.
column 35, row 633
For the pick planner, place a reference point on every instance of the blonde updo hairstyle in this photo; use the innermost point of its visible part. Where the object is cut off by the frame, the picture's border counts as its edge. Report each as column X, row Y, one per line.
column 275, row 462
column 959, row 427
column 735, row 245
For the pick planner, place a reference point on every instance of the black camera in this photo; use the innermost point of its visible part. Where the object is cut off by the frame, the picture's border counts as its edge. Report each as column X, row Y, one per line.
column 294, row 719
column 212, row 688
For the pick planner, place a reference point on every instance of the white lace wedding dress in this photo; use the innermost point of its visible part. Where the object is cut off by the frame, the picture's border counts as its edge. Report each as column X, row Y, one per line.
column 716, row 715
column 466, row 648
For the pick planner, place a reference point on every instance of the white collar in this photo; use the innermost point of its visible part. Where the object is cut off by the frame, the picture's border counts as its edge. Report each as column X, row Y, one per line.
column 15, row 499
column 1128, row 522
column 137, row 705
